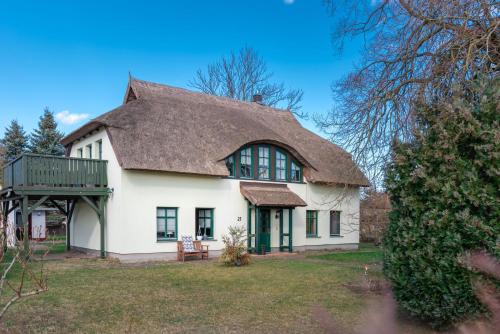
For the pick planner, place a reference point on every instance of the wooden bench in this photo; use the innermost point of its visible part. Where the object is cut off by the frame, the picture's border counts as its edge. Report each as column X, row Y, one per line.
column 199, row 250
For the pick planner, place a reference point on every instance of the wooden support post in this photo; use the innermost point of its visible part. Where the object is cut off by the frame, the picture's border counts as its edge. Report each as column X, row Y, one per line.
column 257, row 234
column 249, row 227
column 70, row 205
column 280, row 212
column 102, row 221
column 24, row 217
column 5, row 208
column 290, row 225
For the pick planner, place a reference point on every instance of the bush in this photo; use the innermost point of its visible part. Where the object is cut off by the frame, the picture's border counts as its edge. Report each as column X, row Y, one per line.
column 235, row 250
column 444, row 189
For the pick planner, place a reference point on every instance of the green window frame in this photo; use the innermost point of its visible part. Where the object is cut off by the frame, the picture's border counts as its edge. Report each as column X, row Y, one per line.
column 311, row 223
column 99, row 149
column 204, row 225
column 334, row 223
column 246, row 163
column 295, row 172
column 231, row 166
column 281, row 163
column 89, row 151
column 79, row 153
column 166, row 223
column 264, row 159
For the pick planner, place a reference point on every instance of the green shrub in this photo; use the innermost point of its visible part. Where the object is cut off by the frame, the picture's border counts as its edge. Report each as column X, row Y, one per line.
column 444, row 189
column 235, row 250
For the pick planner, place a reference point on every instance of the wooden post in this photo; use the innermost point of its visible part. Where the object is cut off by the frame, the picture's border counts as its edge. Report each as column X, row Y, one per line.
column 5, row 207
column 257, row 234
column 290, row 235
column 24, row 217
column 102, row 221
column 280, row 212
column 249, row 227
column 68, row 219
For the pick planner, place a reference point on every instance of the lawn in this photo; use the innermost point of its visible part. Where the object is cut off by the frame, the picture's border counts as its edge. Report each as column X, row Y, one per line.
column 272, row 295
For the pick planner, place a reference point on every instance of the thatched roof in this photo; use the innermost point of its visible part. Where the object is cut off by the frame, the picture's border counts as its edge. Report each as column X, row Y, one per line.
column 164, row 128
column 270, row 194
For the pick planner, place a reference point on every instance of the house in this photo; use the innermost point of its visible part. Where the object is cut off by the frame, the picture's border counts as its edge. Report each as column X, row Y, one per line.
column 187, row 163
column 37, row 225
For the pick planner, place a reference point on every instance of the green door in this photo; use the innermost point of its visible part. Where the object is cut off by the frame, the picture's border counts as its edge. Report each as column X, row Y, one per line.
column 264, row 229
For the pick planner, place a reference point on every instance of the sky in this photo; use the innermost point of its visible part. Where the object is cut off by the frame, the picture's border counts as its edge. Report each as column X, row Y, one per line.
column 74, row 56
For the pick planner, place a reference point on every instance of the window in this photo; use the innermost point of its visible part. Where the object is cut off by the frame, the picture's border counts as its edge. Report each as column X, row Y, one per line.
column 89, row 151
column 79, row 153
column 264, row 162
column 280, row 166
column 230, row 165
column 295, row 172
column 205, row 222
column 246, row 165
column 166, row 223
column 334, row 222
column 311, row 223
column 99, row 149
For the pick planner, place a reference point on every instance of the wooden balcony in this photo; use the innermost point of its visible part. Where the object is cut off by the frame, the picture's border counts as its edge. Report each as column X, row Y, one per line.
column 36, row 173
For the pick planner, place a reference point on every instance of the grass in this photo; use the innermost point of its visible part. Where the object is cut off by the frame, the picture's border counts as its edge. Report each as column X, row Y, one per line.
column 270, row 295
column 367, row 254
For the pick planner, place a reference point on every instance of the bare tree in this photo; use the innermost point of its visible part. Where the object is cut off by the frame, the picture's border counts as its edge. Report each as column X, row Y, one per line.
column 244, row 74
column 29, row 278
column 414, row 50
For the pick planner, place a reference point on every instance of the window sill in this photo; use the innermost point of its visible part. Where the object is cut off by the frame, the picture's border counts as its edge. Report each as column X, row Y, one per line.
column 313, row 236
column 336, row 236
column 207, row 240
column 166, row 240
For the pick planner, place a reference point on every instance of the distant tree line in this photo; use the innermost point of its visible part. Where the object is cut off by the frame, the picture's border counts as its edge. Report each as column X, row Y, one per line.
column 45, row 139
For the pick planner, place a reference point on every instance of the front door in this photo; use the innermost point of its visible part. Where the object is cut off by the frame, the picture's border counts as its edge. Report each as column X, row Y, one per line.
column 264, row 230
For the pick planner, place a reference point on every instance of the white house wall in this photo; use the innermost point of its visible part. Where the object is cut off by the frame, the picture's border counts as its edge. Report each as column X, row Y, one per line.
column 85, row 229
column 131, row 209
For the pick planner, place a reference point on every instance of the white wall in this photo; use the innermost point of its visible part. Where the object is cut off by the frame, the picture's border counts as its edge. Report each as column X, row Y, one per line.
column 143, row 192
column 131, row 209
column 85, row 229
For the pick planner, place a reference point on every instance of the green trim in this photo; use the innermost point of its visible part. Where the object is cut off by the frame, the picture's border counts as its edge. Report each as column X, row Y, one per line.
column 340, row 223
column 290, row 230
column 99, row 149
column 251, row 162
column 89, row 150
column 311, row 215
column 268, row 161
column 166, row 217
column 276, row 165
column 299, row 170
column 212, row 226
column 232, row 172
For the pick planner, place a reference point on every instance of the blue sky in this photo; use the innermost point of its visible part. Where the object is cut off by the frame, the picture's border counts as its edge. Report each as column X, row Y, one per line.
column 74, row 56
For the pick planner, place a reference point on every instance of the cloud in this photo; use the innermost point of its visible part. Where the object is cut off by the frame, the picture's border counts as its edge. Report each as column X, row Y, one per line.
column 288, row 2
column 68, row 118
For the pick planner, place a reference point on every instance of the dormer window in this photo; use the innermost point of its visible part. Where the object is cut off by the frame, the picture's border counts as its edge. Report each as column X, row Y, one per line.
column 280, row 166
column 264, row 163
column 246, row 166
column 230, row 165
column 295, row 172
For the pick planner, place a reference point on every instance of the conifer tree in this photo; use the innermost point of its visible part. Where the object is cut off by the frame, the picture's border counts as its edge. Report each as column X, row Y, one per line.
column 15, row 141
column 46, row 139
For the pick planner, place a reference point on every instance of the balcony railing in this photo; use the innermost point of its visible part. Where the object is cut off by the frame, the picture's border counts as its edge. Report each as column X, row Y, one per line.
column 34, row 170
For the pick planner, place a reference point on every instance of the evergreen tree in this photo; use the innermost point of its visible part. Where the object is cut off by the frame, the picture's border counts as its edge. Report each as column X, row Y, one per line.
column 445, row 196
column 47, row 138
column 15, row 141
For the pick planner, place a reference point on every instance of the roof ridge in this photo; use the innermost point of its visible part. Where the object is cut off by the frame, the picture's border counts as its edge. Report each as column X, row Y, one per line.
column 214, row 97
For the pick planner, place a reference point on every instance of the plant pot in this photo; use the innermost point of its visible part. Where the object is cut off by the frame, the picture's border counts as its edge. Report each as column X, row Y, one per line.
column 199, row 237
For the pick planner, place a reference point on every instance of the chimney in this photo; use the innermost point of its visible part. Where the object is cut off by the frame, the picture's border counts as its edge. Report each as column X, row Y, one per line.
column 257, row 98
